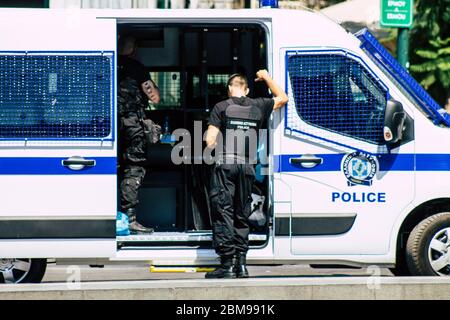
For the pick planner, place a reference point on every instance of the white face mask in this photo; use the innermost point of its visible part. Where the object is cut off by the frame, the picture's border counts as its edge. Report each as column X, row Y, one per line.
column 237, row 91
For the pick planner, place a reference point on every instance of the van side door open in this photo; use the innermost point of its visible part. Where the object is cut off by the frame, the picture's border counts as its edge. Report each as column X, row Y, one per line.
column 57, row 134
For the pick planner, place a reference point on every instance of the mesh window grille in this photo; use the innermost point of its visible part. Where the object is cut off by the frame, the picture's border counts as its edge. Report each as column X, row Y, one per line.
column 169, row 88
column 45, row 96
column 217, row 84
column 333, row 93
column 217, row 87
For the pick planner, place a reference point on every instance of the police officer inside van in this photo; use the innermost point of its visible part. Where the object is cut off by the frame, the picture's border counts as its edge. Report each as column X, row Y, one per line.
column 236, row 119
column 135, row 89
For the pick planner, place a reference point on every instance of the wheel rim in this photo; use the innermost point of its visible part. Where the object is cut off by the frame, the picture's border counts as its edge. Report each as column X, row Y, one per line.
column 14, row 270
column 439, row 252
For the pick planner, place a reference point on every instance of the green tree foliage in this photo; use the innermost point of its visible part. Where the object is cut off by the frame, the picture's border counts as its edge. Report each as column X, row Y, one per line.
column 320, row 4
column 430, row 47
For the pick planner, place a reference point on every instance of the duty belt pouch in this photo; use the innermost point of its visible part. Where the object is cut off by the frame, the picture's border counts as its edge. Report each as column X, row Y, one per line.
column 152, row 131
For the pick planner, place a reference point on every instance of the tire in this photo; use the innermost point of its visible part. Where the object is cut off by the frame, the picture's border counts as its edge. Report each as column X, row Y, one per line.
column 428, row 247
column 22, row 270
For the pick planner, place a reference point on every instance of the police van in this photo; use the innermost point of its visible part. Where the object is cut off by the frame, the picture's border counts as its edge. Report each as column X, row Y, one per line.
column 358, row 161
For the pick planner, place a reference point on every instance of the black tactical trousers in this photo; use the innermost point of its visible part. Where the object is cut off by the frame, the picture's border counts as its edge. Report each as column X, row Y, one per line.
column 230, row 195
column 133, row 157
column 133, row 136
column 133, row 176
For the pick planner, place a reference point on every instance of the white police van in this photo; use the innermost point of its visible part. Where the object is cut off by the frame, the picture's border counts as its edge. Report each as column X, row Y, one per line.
column 359, row 159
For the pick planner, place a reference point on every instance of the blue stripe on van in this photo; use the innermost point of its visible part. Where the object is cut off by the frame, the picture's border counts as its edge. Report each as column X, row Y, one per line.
column 433, row 162
column 50, row 166
column 388, row 162
column 331, row 162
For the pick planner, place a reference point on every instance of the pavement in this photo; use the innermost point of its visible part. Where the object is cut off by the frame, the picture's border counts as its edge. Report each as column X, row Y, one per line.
column 267, row 282
column 56, row 273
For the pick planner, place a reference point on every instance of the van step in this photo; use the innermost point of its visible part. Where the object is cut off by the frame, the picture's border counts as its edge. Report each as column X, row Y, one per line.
column 157, row 269
column 179, row 237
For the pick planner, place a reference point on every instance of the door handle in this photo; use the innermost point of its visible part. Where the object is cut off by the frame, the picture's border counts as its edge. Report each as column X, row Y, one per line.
column 78, row 163
column 306, row 161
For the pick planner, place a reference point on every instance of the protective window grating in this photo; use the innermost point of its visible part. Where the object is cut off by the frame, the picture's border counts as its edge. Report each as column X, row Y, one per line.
column 217, row 83
column 217, row 87
column 170, row 91
column 55, row 96
column 335, row 93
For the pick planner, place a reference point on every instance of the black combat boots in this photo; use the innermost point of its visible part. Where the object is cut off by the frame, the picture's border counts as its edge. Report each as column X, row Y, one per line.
column 240, row 267
column 135, row 227
column 225, row 271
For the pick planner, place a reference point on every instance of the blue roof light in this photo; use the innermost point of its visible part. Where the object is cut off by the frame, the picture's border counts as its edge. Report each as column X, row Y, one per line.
column 384, row 59
column 268, row 3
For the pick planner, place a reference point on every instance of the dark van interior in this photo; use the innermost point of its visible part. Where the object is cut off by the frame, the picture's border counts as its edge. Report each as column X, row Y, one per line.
column 190, row 63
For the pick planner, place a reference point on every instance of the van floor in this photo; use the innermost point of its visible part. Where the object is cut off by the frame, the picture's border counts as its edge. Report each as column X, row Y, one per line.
column 188, row 237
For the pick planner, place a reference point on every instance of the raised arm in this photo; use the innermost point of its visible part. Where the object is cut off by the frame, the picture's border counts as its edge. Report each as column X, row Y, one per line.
column 279, row 96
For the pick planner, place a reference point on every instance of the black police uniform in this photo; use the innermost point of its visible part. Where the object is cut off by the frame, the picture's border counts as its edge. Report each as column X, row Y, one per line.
column 233, row 176
column 131, row 103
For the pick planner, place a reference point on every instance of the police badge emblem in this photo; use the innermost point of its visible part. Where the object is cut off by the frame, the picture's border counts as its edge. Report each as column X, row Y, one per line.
column 359, row 168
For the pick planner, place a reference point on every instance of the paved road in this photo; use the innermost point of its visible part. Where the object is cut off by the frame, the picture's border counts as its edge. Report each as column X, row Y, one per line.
column 57, row 273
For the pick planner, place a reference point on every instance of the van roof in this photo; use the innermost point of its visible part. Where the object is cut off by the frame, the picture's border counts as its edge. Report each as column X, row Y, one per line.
column 263, row 13
column 293, row 27
column 201, row 13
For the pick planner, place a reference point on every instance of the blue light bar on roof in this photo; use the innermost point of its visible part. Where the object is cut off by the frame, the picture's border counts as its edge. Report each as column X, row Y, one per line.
column 268, row 3
column 384, row 59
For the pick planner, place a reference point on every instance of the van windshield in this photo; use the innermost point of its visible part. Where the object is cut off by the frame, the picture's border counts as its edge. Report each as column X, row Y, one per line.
column 403, row 79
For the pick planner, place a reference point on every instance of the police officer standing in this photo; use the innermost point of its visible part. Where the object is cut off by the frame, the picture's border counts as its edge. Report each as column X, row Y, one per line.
column 234, row 174
column 135, row 88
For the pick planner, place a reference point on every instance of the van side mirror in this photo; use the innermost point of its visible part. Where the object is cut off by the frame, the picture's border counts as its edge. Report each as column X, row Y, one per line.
column 394, row 122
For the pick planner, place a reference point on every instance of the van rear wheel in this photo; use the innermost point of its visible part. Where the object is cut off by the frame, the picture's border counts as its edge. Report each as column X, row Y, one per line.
column 22, row 270
column 428, row 247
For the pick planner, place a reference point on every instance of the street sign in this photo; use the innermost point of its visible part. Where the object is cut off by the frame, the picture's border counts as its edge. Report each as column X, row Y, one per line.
column 396, row 13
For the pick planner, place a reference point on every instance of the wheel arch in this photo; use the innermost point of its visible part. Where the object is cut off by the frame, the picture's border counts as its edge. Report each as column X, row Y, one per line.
column 419, row 213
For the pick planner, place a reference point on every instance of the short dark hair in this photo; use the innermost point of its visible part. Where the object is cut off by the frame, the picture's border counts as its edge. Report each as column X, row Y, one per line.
column 238, row 75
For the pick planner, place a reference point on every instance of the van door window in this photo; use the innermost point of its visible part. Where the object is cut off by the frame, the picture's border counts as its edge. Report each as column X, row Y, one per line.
column 217, row 89
column 54, row 96
column 169, row 88
column 336, row 93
